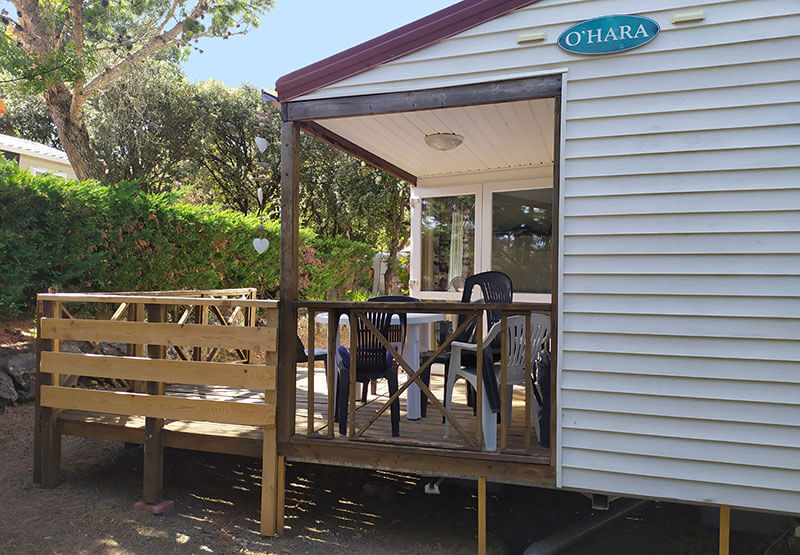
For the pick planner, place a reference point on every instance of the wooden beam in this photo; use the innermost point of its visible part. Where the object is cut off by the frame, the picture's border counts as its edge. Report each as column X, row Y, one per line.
column 430, row 99
column 155, row 299
column 418, row 460
column 174, row 408
column 337, row 141
column 724, row 529
column 269, row 486
column 290, row 251
column 160, row 334
column 481, row 515
column 256, row 376
column 444, row 307
column 153, row 465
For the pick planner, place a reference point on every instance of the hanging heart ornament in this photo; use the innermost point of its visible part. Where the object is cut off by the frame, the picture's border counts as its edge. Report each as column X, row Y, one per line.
column 260, row 244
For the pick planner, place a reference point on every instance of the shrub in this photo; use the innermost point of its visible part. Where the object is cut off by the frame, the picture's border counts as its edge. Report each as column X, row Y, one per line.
column 82, row 236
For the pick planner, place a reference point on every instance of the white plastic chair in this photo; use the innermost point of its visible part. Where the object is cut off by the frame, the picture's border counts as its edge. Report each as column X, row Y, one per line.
column 516, row 373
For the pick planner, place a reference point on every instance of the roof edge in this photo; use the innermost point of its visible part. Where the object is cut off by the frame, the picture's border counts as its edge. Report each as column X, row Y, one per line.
column 394, row 44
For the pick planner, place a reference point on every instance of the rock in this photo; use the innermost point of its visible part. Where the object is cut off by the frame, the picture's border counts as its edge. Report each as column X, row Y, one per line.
column 22, row 370
column 8, row 394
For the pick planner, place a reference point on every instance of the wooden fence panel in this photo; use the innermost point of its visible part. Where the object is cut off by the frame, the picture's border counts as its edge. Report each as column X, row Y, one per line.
column 264, row 338
column 173, row 408
column 255, row 376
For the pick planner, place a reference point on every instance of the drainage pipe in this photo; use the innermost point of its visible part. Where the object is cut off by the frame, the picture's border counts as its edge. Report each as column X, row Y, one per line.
column 562, row 539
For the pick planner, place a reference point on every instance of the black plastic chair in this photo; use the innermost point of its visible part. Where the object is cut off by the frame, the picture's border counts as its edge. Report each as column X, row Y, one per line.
column 319, row 354
column 496, row 288
column 397, row 332
column 372, row 362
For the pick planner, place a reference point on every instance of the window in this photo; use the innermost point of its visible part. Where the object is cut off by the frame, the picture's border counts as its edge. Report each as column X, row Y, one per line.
column 522, row 238
column 448, row 242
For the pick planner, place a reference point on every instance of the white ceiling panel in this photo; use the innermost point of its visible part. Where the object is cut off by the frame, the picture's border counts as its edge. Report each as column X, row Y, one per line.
column 496, row 136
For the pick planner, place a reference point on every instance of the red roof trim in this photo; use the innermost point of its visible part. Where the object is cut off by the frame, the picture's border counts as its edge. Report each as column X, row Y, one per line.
column 394, row 44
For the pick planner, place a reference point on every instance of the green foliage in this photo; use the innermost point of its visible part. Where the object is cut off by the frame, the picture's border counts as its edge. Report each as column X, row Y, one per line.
column 144, row 126
column 27, row 117
column 82, row 236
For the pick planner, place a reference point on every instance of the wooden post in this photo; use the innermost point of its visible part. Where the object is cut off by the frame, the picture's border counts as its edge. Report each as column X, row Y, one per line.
column 724, row 529
column 153, row 467
column 481, row 515
column 201, row 317
column 281, row 498
column 479, row 378
column 290, row 248
column 528, row 385
column 333, row 330
column 351, row 394
column 311, row 362
column 505, row 413
column 269, row 483
column 50, row 435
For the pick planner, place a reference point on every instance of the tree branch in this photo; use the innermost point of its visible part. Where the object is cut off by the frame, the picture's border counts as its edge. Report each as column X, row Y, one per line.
column 76, row 14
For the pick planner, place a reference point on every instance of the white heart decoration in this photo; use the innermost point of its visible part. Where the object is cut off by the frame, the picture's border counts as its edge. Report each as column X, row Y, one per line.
column 261, row 143
column 260, row 245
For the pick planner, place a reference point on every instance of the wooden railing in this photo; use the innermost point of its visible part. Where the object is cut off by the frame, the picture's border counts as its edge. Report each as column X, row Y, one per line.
column 357, row 312
column 216, row 338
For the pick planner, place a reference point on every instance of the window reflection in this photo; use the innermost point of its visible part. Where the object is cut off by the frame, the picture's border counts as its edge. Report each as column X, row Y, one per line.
column 522, row 238
column 448, row 242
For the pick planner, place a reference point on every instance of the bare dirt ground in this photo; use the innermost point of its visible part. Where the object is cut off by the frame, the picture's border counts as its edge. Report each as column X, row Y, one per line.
column 328, row 509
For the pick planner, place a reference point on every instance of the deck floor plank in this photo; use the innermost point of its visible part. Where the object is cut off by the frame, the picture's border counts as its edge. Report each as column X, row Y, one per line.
column 425, row 432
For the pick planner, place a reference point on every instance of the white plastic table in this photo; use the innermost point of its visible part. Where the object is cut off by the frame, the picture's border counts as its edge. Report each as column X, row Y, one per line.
column 415, row 320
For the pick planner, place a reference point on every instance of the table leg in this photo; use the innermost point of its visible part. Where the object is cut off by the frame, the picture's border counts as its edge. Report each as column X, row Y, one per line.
column 411, row 354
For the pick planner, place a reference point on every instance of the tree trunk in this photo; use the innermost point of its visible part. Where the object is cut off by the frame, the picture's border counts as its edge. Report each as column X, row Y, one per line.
column 73, row 135
column 391, row 264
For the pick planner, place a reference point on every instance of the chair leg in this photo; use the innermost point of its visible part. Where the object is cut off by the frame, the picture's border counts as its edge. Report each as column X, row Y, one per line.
column 395, row 408
column 364, row 388
column 426, row 379
column 489, row 423
column 450, row 383
column 342, row 399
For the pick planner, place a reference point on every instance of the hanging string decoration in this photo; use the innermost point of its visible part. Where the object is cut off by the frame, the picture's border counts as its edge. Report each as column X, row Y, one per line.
column 261, row 244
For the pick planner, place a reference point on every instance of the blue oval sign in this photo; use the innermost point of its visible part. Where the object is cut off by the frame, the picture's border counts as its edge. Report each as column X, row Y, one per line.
column 608, row 34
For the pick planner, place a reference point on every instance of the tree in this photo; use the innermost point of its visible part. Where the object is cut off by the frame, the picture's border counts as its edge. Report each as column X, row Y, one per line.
column 70, row 50
column 27, row 117
column 143, row 126
column 227, row 134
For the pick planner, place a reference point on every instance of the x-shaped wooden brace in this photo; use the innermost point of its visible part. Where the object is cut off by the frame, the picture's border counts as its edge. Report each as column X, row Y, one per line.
column 413, row 375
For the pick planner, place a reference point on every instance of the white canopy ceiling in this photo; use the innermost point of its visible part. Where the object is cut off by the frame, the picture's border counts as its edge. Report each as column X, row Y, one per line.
column 496, row 136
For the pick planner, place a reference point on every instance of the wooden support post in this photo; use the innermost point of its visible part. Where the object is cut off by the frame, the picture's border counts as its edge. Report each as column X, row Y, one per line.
column 481, row 515
column 269, row 483
column 505, row 412
column 333, row 330
column 201, row 317
column 290, row 249
column 351, row 394
column 528, row 384
column 311, row 362
column 281, row 501
column 46, row 309
column 479, row 378
column 153, row 467
column 50, row 433
column 724, row 529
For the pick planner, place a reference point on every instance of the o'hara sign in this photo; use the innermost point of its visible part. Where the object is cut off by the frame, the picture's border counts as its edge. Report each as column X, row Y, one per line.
column 608, row 34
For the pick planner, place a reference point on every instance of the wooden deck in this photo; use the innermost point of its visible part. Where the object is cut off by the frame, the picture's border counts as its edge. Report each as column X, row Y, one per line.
column 247, row 440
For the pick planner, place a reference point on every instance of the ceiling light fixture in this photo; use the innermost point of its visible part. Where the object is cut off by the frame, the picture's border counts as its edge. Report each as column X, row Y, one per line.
column 444, row 141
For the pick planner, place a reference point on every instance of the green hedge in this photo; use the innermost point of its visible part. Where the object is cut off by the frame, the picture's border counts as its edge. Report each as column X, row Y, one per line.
column 81, row 236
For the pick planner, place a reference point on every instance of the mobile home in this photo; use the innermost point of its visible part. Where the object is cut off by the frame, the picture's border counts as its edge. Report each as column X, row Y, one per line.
column 637, row 166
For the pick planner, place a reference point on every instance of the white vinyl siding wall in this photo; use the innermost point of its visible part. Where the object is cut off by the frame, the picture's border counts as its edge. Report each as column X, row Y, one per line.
column 679, row 370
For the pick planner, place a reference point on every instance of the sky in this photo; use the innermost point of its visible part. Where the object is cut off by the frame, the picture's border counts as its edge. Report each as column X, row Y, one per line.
column 299, row 32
